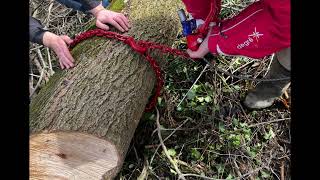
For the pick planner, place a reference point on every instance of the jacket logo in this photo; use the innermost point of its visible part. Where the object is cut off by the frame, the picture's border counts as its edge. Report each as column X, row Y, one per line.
column 247, row 42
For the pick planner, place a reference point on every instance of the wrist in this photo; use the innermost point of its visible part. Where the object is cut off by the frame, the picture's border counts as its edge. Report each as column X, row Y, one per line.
column 48, row 39
column 96, row 10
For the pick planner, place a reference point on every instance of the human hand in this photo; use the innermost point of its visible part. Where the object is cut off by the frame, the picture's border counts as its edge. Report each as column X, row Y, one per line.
column 202, row 50
column 59, row 45
column 103, row 16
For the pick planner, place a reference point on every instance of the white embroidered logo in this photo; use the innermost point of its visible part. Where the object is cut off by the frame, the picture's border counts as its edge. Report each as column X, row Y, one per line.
column 255, row 35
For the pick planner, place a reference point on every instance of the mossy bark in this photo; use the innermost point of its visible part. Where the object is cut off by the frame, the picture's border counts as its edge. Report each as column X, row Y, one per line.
column 105, row 94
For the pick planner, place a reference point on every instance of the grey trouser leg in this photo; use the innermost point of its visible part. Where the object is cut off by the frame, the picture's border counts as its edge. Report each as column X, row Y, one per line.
column 265, row 93
column 284, row 58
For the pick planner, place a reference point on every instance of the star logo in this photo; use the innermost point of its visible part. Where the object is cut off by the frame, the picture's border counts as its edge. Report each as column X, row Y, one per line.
column 255, row 34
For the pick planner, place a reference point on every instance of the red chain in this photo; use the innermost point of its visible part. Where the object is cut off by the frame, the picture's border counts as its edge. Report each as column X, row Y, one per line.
column 141, row 47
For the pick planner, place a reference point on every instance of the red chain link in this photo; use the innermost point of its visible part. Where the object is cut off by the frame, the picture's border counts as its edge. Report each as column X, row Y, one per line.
column 141, row 47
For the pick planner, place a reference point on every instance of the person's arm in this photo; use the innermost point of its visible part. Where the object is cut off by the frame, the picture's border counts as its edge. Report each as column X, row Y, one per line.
column 80, row 5
column 58, row 44
column 103, row 16
column 261, row 29
column 36, row 30
column 199, row 9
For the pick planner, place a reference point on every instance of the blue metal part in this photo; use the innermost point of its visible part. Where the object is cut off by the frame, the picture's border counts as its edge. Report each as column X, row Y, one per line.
column 182, row 15
column 187, row 25
column 105, row 3
column 193, row 24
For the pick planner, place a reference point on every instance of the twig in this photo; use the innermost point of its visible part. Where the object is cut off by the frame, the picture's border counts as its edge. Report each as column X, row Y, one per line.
column 244, row 112
column 79, row 19
column 235, row 155
column 171, row 129
column 31, row 76
column 282, row 170
column 243, row 66
column 181, row 176
column 37, row 63
column 43, row 64
column 38, row 83
column 49, row 61
column 37, row 47
column 200, row 176
column 153, row 173
column 144, row 173
column 49, row 13
column 268, row 122
column 31, row 88
column 285, row 156
column 251, row 172
column 233, row 61
column 233, row 8
column 274, row 173
column 136, row 154
column 188, row 166
column 237, row 167
column 158, row 146
column 165, row 149
column 204, row 69
column 34, row 75
column 271, row 59
column 240, row 68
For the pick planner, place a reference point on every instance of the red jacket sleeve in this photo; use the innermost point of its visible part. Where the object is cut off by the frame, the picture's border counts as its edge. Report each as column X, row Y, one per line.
column 259, row 30
column 199, row 9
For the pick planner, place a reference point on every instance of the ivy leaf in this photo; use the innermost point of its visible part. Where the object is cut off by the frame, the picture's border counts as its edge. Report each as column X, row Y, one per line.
column 172, row 152
column 269, row 135
column 173, row 171
column 208, row 99
column 191, row 95
column 221, row 127
column 265, row 174
column 195, row 154
column 236, row 87
column 200, row 99
column 230, row 177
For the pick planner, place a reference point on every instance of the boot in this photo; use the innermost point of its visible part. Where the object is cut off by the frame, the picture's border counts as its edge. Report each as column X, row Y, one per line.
column 265, row 93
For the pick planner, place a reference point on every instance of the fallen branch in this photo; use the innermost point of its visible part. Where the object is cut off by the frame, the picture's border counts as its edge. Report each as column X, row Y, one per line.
column 282, row 170
column 181, row 176
column 200, row 176
column 158, row 146
column 38, row 83
column 268, row 122
column 44, row 65
column 251, row 172
column 269, row 65
column 49, row 62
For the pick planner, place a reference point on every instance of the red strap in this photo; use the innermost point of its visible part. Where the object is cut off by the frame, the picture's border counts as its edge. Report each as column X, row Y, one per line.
column 141, row 47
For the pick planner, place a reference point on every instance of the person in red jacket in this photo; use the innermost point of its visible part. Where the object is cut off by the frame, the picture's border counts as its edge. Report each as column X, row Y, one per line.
column 261, row 29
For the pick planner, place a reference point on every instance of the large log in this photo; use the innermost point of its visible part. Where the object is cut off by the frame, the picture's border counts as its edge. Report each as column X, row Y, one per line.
column 82, row 121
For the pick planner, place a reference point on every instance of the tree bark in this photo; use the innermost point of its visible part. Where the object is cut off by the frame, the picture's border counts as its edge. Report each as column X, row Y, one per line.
column 82, row 121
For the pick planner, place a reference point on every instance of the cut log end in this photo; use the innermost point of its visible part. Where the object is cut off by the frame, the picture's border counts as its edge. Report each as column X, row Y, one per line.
column 71, row 155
